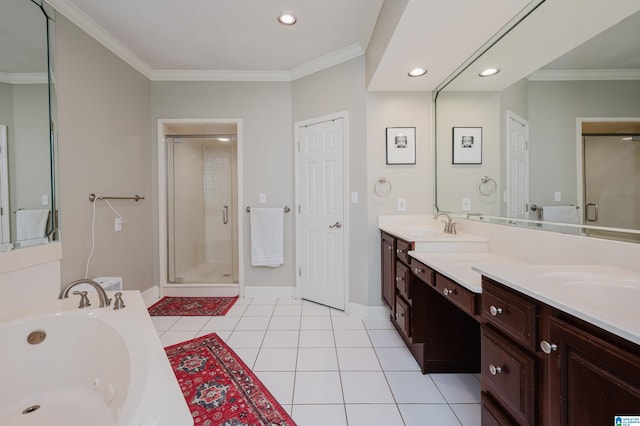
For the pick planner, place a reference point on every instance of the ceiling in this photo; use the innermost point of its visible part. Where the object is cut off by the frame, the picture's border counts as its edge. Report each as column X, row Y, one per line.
column 232, row 40
column 242, row 40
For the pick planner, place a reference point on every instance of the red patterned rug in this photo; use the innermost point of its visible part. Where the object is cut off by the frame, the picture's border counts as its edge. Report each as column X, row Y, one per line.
column 192, row 306
column 219, row 388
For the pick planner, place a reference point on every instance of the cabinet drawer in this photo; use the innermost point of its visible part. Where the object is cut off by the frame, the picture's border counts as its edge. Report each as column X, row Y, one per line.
column 510, row 312
column 457, row 294
column 402, row 316
column 492, row 414
column 508, row 375
column 423, row 272
column 402, row 251
column 403, row 280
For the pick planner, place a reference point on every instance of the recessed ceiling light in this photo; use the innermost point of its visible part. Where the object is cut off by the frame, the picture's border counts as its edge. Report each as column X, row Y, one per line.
column 417, row 72
column 287, row 19
column 489, row 72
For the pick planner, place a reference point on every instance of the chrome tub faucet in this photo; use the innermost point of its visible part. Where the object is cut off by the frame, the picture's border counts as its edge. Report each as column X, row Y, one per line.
column 102, row 295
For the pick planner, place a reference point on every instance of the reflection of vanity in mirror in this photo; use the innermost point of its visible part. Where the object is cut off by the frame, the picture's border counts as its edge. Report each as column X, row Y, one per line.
column 560, row 123
column 27, row 190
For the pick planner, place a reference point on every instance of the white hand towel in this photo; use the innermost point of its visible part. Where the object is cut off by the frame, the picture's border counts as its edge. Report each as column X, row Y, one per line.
column 31, row 224
column 560, row 214
column 267, row 236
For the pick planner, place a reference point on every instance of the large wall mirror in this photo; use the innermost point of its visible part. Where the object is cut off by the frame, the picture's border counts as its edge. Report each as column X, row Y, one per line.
column 552, row 140
column 27, row 107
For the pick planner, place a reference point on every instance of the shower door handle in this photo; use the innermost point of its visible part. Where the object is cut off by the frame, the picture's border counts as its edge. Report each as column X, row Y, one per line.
column 225, row 214
column 593, row 218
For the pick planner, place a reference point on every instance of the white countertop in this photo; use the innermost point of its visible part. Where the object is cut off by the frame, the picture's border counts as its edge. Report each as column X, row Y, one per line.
column 605, row 296
column 458, row 266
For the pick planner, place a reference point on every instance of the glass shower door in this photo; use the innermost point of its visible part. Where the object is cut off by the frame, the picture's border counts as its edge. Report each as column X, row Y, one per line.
column 201, row 213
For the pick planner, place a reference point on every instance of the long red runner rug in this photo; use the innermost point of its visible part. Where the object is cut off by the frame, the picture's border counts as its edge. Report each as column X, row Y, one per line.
column 192, row 306
column 219, row 388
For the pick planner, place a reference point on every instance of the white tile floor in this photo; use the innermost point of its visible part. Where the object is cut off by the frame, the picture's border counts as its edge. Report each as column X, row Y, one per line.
column 327, row 368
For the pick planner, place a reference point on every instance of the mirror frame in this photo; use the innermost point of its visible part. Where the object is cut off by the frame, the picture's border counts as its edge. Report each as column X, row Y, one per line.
column 623, row 234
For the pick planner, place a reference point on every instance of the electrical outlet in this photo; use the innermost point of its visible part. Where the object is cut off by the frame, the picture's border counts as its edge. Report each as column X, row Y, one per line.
column 402, row 204
column 263, row 198
column 354, row 198
column 557, row 196
column 466, row 204
column 118, row 224
column 45, row 200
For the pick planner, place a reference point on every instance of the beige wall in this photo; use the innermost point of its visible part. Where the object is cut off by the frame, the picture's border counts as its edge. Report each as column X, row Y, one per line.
column 266, row 146
column 104, row 148
column 414, row 183
column 336, row 89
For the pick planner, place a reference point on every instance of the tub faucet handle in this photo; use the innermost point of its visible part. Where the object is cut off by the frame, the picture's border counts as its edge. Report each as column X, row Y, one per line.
column 119, row 303
column 84, row 300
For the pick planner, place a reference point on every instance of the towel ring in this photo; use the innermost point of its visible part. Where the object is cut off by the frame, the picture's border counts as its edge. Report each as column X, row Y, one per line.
column 379, row 187
column 493, row 186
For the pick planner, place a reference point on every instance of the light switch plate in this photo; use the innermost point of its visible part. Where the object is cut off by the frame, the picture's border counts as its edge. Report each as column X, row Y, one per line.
column 354, row 198
column 402, row 204
column 263, row 198
column 557, row 196
column 466, row 204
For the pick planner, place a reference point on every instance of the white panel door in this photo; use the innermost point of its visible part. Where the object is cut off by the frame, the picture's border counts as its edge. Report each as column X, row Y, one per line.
column 518, row 166
column 321, row 233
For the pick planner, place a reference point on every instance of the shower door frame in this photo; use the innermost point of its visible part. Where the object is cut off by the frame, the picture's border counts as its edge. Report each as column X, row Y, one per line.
column 187, row 289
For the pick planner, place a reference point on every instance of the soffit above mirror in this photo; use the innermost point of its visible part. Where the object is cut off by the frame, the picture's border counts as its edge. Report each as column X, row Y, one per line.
column 546, row 40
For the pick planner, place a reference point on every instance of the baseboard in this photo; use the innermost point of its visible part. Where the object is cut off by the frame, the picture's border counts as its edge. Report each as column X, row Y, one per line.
column 151, row 295
column 252, row 292
column 368, row 312
column 201, row 290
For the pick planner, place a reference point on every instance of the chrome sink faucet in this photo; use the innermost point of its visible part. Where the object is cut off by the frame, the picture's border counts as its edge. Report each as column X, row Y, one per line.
column 449, row 225
column 102, row 295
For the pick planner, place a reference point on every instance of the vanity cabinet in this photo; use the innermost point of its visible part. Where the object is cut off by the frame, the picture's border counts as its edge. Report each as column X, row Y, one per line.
column 592, row 376
column 542, row 366
column 388, row 258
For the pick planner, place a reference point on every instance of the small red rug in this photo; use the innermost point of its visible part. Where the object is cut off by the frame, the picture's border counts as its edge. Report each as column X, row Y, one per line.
column 192, row 306
column 219, row 388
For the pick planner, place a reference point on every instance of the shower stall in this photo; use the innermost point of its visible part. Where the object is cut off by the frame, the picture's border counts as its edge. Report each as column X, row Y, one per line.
column 202, row 229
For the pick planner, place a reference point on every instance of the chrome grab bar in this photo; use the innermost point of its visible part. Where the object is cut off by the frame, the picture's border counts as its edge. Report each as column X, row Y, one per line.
column 595, row 210
column 225, row 214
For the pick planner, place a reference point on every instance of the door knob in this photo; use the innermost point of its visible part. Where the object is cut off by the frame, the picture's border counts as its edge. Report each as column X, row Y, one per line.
column 336, row 225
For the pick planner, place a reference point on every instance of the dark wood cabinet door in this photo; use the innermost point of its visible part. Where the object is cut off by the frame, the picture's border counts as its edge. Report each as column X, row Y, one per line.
column 591, row 379
column 509, row 375
column 388, row 270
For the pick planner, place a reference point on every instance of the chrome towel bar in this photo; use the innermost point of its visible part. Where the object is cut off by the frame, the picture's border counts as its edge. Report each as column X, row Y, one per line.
column 286, row 209
column 93, row 197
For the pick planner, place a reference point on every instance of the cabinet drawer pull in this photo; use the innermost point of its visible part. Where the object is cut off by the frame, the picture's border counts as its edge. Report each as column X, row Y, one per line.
column 547, row 347
column 399, row 315
column 448, row 292
column 398, row 279
column 390, row 248
column 417, row 270
column 494, row 370
column 399, row 251
column 495, row 311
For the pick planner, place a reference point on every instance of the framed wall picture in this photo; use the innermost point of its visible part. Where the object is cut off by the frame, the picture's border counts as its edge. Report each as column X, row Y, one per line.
column 401, row 145
column 467, row 145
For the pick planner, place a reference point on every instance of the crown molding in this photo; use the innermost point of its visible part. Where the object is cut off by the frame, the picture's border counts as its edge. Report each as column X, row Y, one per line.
column 213, row 75
column 24, row 78
column 578, row 75
column 323, row 62
column 91, row 27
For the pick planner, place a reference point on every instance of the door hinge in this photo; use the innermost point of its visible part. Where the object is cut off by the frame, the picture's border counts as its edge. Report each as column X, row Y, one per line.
column 299, row 209
column 298, row 146
column 299, row 272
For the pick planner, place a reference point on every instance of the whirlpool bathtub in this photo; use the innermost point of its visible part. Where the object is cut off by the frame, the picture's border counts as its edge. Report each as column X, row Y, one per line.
column 91, row 366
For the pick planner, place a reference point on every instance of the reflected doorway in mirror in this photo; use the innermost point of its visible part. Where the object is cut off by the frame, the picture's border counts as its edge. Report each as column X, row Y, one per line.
column 467, row 145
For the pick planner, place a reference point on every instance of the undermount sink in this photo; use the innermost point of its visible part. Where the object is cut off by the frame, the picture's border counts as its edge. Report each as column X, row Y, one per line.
column 596, row 290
